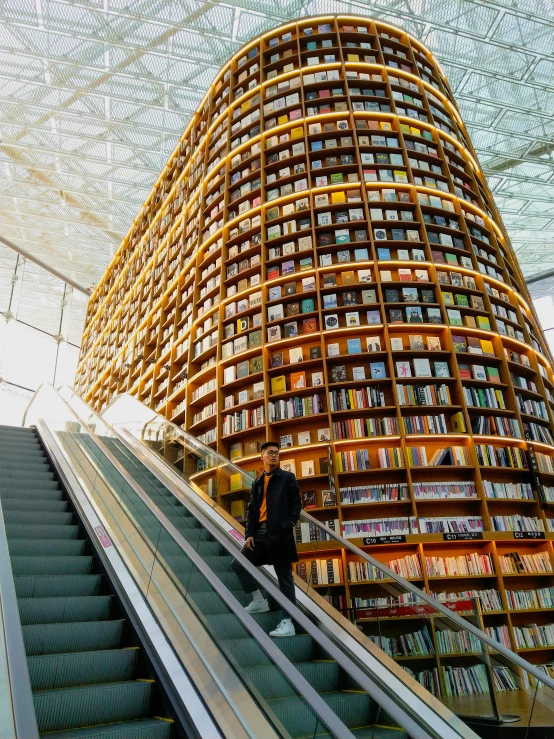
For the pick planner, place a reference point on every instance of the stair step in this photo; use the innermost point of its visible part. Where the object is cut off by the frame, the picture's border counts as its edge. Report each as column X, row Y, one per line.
column 46, row 488
column 47, row 565
column 72, row 708
column 35, row 531
column 354, row 710
column 61, row 610
column 30, row 476
column 21, row 504
column 84, row 636
column 272, row 684
column 248, row 653
column 228, row 626
column 51, row 671
column 54, row 547
column 54, row 586
column 150, row 728
column 46, row 518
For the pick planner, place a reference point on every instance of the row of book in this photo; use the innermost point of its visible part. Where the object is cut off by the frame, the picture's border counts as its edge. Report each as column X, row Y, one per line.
column 496, row 426
column 418, row 643
column 379, row 527
column 242, row 420
column 363, row 428
column 320, row 571
column 307, row 532
column 407, row 567
column 444, row 490
column 377, row 493
column 534, row 635
column 429, row 679
column 450, row 524
column 508, row 490
column 537, row 432
column 515, row 563
column 484, row 397
column 453, row 455
column 352, row 399
column 423, row 394
column 465, row 680
column 490, row 599
column 496, row 456
column 522, row 600
column 457, row 642
column 425, row 424
column 281, row 410
column 516, row 522
column 472, row 563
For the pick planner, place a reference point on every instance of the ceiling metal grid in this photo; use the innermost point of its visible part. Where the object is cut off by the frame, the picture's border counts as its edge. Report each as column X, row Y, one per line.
column 94, row 95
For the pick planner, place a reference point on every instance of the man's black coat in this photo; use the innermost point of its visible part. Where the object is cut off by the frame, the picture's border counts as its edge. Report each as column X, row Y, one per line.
column 283, row 510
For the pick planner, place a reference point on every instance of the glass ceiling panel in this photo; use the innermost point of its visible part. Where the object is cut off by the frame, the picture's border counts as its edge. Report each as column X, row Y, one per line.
column 95, row 94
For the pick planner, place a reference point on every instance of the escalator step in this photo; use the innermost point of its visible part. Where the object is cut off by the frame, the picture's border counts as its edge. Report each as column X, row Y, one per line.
column 372, row 732
column 51, row 671
column 149, row 728
column 35, row 531
column 228, row 626
column 44, row 489
column 211, row 602
column 22, row 504
column 29, row 476
column 248, row 653
column 52, row 565
column 46, row 518
column 84, row 636
column 65, row 610
column 52, row 586
column 54, row 547
column 353, row 709
column 272, row 684
column 72, row 708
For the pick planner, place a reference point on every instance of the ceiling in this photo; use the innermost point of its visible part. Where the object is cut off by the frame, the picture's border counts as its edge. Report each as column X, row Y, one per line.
column 94, row 95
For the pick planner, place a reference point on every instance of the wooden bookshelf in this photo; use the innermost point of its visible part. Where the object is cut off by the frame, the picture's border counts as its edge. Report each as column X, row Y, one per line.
column 321, row 263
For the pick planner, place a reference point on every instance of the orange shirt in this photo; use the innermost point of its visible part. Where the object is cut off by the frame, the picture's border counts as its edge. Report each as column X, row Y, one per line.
column 263, row 504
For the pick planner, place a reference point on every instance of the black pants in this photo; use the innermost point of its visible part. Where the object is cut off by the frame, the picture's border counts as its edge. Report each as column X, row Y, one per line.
column 258, row 557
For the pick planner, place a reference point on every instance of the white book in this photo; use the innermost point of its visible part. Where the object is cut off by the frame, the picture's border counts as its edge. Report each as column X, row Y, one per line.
column 422, row 368
column 308, row 469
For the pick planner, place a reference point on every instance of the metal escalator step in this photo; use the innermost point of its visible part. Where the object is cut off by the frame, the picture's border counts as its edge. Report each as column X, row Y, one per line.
column 52, row 586
column 249, row 654
column 228, row 626
column 54, row 547
column 372, row 732
column 353, row 709
column 46, row 518
column 65, row 610
column 272, row 684
column 51, row 671
column 210, row 602
column 73, row 708
column 22, row 504
column 196, row 582
column 30, row 476
column 47, row 565
column 83, row 636
column 36, row 531
column 46, row 488
column 26, row 462
column 150, row 728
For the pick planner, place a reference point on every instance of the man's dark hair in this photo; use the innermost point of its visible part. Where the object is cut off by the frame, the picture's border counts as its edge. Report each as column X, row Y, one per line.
column 267, row 444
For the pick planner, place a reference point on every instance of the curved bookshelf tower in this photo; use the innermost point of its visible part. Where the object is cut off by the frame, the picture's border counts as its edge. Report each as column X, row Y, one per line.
column 321, row 263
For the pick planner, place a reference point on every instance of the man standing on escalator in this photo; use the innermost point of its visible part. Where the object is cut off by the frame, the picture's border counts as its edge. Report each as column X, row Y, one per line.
column 271, row 518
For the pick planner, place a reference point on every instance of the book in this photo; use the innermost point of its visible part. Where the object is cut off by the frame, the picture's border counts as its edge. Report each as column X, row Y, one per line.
column 297, row 380
column 304, row 437
column 403, row 369
column 397, row 344
column 278, row 384
column 307, row 468
column 285, row 441
column 354, row 346
column 441, row 369
column 296, row 354
column 377, row 370
column 308, row 498
column 434, row 344
column 422, row 368
column 373, row 343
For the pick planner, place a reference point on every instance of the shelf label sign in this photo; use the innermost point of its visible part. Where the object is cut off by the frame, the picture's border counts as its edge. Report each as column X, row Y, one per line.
column 463, row 536
column 103, row 538
column 238, row 537
column 529, row 535
column 392, row 539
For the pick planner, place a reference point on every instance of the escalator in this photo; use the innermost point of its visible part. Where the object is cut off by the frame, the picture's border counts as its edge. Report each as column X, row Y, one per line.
column 85, row 663
column 355, row 708
column 327, row 681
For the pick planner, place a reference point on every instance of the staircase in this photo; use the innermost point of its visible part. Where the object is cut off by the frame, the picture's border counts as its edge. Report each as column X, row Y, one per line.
column 88, row 677
column 354, row 707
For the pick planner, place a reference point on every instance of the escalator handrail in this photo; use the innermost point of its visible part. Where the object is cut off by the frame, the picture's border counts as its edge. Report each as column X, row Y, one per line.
column 299, row 682
column 412, row 721
column 398, row 579
column 23, row 709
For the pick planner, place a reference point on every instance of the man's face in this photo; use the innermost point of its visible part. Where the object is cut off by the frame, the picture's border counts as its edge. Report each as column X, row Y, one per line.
column 270, row 457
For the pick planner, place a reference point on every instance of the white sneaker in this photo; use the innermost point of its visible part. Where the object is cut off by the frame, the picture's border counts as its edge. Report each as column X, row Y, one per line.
column 285, row 628
column 258, row 606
